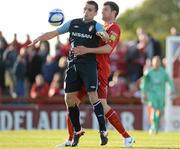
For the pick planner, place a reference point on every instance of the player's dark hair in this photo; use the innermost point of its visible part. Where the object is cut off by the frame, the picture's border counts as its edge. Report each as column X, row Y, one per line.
column 113, row 6
column 90, row 2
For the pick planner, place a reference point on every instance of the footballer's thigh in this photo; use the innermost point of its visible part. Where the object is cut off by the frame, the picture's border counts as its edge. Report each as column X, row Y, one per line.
column 72, row 84
column 88, row 73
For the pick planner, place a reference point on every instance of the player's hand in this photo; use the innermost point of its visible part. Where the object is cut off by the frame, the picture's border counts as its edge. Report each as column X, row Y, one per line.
column 32, row 44
column 79, row 50
column 103, row 35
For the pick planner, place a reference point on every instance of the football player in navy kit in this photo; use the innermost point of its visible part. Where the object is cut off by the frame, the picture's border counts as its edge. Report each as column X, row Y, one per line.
column 82, row 70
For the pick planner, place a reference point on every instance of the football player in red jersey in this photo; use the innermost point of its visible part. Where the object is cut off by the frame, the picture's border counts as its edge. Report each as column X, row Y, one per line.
column 109, row 12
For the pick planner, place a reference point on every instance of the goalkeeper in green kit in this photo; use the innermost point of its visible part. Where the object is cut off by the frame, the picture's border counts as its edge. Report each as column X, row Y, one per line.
column 153, row 91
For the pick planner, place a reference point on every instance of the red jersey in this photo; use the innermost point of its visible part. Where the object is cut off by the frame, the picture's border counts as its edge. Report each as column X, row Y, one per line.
column 103, row 60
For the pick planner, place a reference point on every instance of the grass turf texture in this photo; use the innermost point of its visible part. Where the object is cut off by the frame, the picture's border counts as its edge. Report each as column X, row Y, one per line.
column 43, row 139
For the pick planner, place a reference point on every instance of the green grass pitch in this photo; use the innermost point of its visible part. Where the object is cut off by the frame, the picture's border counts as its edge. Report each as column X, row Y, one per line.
column 48, row 139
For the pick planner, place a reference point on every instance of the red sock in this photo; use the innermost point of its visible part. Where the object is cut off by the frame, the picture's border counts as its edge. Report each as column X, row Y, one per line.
column 113, row 118
column 69, row 127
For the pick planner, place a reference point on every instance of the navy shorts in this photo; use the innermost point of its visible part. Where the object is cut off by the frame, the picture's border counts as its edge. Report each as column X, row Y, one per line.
column 79, row 74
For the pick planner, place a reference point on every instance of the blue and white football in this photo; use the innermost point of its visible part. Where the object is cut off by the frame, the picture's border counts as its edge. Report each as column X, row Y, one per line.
column 56, row 17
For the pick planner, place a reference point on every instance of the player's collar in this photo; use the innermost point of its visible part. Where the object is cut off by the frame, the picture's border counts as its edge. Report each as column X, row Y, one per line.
column 86, row 21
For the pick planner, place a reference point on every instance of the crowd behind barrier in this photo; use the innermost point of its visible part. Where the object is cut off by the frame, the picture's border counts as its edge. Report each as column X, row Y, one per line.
column 29, row 73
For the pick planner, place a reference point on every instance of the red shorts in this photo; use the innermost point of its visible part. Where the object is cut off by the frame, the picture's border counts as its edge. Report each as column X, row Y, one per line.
column 102, row 88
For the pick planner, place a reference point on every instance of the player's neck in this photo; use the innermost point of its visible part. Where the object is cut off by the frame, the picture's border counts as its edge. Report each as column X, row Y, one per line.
column 110, row 21
column 87, row 21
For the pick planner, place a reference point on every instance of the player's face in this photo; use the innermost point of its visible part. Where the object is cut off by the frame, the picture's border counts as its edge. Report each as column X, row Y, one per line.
column 89, row 12
column 106, row 13
column 156, row 63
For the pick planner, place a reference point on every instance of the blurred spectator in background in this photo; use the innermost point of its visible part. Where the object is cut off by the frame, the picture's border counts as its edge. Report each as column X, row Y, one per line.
column 3, row 46
column 9, row 58
column 134, row 62
column 147, row 44
column 147, row 66
column 56, row 87
column 118, row 59
column 121, row 61
column 58, row 46
column 141, row 42
column 153, row 91
column 49, row 68
column 17, row 45
column 118, row 86
column 134, row 90
column 164, row 62
column 39, row 88
column 62, row 67
column 3, row 42
column 173, row 31
column 44, row 49
column 153, row 47
column 65, row 48
column 34, row 64
column 19, row 71
column 27, row 42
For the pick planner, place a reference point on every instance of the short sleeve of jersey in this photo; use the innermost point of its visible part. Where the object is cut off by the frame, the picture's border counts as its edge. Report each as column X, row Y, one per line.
column 99, row 27
column 65, row 28
column 114, row 35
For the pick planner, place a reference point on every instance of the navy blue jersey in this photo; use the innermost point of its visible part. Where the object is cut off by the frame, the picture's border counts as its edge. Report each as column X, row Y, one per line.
column 82, row 34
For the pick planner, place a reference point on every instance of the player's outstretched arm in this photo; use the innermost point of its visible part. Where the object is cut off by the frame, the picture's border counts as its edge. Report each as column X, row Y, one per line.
column 44, row 37
column 80, row 50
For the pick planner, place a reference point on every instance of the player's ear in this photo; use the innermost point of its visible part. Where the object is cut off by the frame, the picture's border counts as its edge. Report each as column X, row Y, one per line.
column 95, row 13
column 114, row 13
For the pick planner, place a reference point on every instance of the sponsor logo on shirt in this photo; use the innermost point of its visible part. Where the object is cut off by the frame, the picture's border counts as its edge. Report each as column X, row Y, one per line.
column 76, row 34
